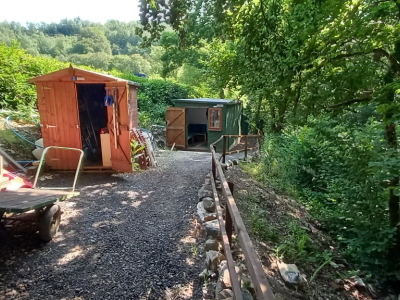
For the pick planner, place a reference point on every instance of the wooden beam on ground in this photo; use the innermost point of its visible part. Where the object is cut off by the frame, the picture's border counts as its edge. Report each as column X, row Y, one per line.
column 259, row 279
column 11, row 161
column 237, row 292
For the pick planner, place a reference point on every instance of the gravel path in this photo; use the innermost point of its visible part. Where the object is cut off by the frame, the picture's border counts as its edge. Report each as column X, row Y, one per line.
column 124, row 237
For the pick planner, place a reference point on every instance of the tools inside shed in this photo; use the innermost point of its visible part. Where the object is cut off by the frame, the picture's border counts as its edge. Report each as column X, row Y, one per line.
column 113, row 101
column 92, row 116
column 115, row 117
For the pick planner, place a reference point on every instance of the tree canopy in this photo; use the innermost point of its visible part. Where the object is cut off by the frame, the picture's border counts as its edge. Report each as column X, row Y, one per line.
column 324, row 78
column 83, row 42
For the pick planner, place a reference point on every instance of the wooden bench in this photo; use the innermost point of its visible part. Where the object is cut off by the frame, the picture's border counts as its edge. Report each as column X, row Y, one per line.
column 197, row 130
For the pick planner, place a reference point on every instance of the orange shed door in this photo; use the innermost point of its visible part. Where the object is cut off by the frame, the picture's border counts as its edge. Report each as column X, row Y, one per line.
column 59, row 121
column 176, row 123
column 118, row 127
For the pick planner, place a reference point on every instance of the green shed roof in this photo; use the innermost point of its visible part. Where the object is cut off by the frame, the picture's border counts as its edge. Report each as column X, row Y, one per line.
column 212, row 101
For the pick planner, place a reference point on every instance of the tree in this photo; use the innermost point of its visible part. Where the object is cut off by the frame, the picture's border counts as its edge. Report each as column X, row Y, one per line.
column 92, row 40
column 296, row 60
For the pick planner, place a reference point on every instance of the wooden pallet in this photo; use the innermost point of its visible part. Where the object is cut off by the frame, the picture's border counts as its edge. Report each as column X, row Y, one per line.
column 24, row 200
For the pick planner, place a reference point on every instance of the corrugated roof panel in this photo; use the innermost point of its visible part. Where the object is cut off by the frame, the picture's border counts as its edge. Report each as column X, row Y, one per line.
column 207, row 100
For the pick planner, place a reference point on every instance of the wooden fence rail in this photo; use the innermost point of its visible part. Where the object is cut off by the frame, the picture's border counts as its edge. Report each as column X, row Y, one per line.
column 225, row 138
column 232, row 219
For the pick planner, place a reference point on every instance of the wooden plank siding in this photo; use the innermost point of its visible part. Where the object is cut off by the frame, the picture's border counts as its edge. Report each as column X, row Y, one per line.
column 133, row 107
column 58, row 106
column 176, row 125
column 120, row 157
column 59, row 114
column 43, row 112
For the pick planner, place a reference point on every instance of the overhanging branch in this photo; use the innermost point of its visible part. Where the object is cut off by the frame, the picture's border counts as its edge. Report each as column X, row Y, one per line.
column 345, row 103
column 380, row 52
column 393, row 61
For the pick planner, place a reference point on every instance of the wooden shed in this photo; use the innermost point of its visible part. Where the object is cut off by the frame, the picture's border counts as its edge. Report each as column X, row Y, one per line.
column 194, row 124
column 74, row 113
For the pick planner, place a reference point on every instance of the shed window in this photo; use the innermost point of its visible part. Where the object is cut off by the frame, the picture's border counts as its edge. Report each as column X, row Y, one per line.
column 215, row 118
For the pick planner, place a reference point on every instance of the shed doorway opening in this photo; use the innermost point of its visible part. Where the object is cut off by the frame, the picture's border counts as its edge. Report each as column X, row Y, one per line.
column 197, row 128
column 93, row 118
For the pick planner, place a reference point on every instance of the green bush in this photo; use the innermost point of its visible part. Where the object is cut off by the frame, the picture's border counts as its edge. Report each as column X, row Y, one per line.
column 16, row 93
column 16, row 68
column 155, row 95
column 339, row 169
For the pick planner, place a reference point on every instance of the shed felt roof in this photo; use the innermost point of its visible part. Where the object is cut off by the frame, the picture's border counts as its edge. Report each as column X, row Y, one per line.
column 207, row 100
column 71, row 71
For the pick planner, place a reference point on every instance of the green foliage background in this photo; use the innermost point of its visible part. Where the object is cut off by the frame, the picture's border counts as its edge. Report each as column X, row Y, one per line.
column 16, row 93
column 321, row 79
column 334, row 166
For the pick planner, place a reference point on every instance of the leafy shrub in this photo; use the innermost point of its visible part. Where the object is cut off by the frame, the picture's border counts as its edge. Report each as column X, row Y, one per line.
column 260, row 226
column 297, row 246
column 16, row 68
column 155, row 95
column 340, row 169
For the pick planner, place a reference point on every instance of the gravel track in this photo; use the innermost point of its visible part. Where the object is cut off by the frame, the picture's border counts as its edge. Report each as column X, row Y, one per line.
column 124, row 237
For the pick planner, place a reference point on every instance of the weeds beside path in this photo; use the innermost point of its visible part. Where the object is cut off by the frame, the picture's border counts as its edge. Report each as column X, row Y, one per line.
column 283, row 230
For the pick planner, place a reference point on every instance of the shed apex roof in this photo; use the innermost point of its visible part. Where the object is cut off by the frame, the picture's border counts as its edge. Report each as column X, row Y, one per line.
column 208, row 100
column 80, row 72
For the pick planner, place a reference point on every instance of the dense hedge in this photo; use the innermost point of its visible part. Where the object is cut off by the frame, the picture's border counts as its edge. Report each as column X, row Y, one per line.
column 155, row 95
column 338, row 168
column 16, row 68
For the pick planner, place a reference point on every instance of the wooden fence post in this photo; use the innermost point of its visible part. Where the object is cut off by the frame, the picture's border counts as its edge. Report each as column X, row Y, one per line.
column 214, row 167
column 224, row 150
column 245, row 146
column 228, row 218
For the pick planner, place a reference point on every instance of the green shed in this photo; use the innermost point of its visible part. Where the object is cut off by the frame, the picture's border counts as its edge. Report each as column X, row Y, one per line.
column 194, row 124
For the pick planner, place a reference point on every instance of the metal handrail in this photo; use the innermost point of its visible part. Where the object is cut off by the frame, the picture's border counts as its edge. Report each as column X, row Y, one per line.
column 41, row 163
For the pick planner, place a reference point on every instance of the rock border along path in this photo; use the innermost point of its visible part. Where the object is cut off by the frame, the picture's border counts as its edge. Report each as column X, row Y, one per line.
column 127, row 236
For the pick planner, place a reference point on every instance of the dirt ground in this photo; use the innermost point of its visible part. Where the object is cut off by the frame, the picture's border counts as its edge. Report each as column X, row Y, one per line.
column 126, row 236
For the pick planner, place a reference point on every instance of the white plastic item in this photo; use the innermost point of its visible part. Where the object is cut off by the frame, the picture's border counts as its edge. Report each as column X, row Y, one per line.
column 39, row 143
column 37, row 153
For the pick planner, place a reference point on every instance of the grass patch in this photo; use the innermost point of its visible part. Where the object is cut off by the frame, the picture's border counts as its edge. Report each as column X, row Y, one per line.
column 261, row 228
column 252, row 168
column 9, row 139
column 297, row 246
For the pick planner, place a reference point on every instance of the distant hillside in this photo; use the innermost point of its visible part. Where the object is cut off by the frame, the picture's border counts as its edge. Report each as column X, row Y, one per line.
column 113, row 45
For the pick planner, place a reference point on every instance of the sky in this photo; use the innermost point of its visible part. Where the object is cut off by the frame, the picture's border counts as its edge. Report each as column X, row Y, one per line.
column 49, row 11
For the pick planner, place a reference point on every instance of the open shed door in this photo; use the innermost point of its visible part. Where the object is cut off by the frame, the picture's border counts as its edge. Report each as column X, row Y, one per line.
column 176, row 124
column 59, row 122
column 118, row 127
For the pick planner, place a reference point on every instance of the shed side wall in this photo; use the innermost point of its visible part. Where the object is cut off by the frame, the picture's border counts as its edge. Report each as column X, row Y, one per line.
column 133, row 107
